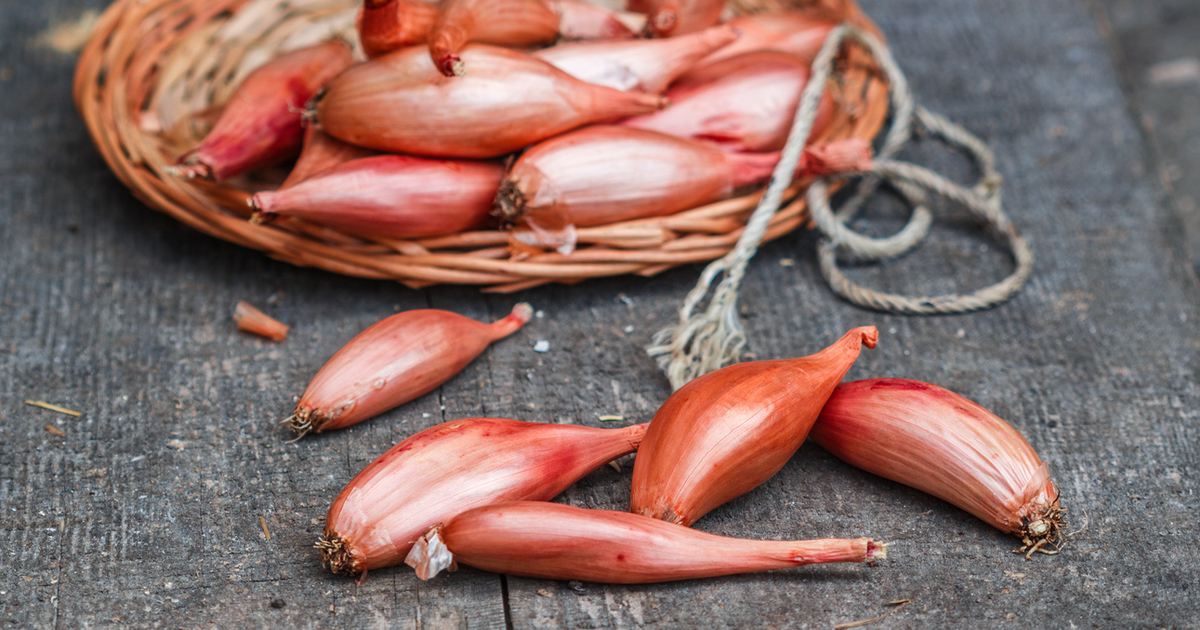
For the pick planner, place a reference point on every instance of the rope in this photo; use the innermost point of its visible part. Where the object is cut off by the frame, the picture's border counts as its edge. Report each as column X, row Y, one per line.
column 704, row 342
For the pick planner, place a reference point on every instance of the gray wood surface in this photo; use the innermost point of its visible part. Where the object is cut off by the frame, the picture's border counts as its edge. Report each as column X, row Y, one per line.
column 147, row 514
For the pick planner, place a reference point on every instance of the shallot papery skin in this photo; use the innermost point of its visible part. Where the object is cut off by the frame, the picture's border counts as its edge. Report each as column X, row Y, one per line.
column 399, row 103
column 580, row 20
column 944, row 444
column 453, row 467
column 394, row 361
column 563, row 542
column 387, row 25
column 261, row 122
column 321, row 152
column 724, row 433
column 798, row 33
column 645, row 65
column 744, row 103
column 514, row 23
column 251, row 320
column 393, row 196
column 668, row 18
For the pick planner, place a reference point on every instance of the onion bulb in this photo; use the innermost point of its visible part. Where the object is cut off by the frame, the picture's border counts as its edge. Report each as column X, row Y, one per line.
column 387, row 25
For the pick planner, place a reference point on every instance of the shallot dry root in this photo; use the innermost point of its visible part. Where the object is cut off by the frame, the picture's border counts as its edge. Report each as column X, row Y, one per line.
column 562, row 542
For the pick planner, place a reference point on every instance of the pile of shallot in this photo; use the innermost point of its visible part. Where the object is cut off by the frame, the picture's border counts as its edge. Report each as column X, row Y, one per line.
column 553, row 114
column 539, row 116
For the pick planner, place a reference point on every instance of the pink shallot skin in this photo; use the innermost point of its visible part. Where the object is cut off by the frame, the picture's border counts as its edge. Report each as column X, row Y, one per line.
column 261, row 122
column 563, row 542
column 399, row 103
column 321, row 152
column 515, row 23
column 798, row 33
column 453, row 467
column 744, row 103
column 393, row 196
column 645, row 65
column 580, row 20
column 724, row 433
column 944, row 444
column 668, row 18
column 387, row 25
column 394, row 361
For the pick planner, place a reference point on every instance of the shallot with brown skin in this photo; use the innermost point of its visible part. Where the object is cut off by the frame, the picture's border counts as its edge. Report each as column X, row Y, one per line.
column 394, row 361
column 939, row 442
column 261, row 123
column 744, row 103
column 724, row 433
column 393, row 196
column 645, row 65
column 387, row 25
column 668, row 18
column 562, row 542
column 399, row 103
column 515, row 23
column 453, row 467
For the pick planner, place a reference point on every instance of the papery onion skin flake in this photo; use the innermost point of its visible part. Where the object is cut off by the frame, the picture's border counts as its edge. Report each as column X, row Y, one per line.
column 932, row 439
column 450, row 468
column 726, row 432
column 563, row 542
column 394, row 361
column 669, row 18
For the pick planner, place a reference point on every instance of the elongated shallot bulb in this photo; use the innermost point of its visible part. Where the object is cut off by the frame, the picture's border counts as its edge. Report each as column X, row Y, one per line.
column 668, row 18
column 562, row 542
column 387, row 25
column 939, row 442
column 399, row 103
column 744, row 103
column 394, row 196
column 603, row 174
column 260, row 124
column 453, row 467
column 645, row 65
column 798, row 33
column 580, row 20
column 394, row 361
column 321, row 152
column 724, row 433
column 514, row 23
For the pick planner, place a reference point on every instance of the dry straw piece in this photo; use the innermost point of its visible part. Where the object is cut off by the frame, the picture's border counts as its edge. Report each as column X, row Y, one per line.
column 154, row 72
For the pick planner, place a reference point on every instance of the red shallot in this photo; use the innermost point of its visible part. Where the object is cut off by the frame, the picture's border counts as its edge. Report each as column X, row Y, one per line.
column 562, row 542
column 645, row 65
column 260, row 124
column 667, row 18
column 393, row 196
column 799, row 33
column 724, row 433
column 744, row 103
column 939, row 442
column 321, row 152
column 502, row 22
column 604, row 174
column 387, row 25
column 453, row 467
column 399, row 103
column 395, row 361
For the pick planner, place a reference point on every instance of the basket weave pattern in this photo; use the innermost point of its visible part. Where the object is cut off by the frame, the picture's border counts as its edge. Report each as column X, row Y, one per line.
column 155, row 72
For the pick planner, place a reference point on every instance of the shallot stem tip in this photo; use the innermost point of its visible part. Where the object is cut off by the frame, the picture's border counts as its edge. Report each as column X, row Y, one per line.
column 189, row 172
column 877, row 550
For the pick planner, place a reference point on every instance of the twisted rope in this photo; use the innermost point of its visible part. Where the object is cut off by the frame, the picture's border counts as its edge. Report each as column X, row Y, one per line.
column 704, row 342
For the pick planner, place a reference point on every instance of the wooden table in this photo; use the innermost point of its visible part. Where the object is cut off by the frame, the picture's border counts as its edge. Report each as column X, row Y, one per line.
column 146, row 513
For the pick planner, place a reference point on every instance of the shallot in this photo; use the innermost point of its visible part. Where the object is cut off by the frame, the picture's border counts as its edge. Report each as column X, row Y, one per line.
column 724, row 433
column 645, row 65
column 667, row 18
column 939, row 442
column 261, row 122
column 387, row 25
column 394, row 361
column 580, row 20
column 562, row 542
column 798, row 33
column 394, row 196
column 744, row 103
column 321, row 152
column 500, row 22
column 453, row 467
column 400, row 103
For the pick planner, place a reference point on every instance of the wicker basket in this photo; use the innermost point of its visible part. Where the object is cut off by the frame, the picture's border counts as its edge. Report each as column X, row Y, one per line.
column 154, row 70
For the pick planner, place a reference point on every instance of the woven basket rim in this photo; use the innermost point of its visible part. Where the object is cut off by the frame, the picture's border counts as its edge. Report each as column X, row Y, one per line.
column 136, row 42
